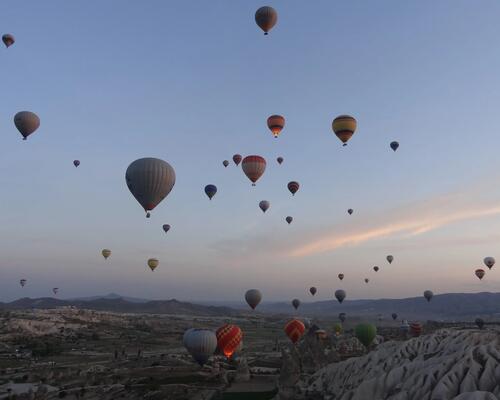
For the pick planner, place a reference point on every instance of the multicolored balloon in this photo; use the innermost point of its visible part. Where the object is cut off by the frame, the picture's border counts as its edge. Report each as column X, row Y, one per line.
column 266, row 17
column 229, row 338
column 276, row 123
column 394, row 316
column 264, row 205
column 293, row 187
column 415, row 329
column 153, row 263
column 55, row 290
column 237, row 159
column 253, row 167
column 22, row 282
column 342, row 316
column 367, row 280
column 480, row 273
column 210, row 191
column 8, row 40
column 76, row 163
column 166, row 227
column 225, row 163
column 106, row 253
column 294, row 329
column 344, row 127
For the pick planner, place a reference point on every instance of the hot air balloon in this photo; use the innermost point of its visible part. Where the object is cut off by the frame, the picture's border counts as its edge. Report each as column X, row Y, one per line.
column 428, row 295
column 76, row 163
column 321, row 334
column 365, row 333
column 280, row 160
column 276, row 123
column 350, row 211
column 394, row 316
column 210, row 191
column 229, row 337
column 489, row 262
column 375, row 268
column 264, row 205
column 166, row 227
column 367, row 280
column 8, row 40
column 266, row 17
column 344, row 127
column 337, row 328
column 313, row 290
column 150, row 180
column 295, row 303
column 55, row 290
column 253, row 297
column 237, row 159
column 342, row 316
column 415, row 329
column 394, row 145
column 480, row 273
column 22, row 282
column 225, row 163
column 106, row 253
column 253, row 167
column 153, row 263
column 294, row 329
column 389, row 259
column 293, row 187
column 200, row 343
column 26, row 123
column 341, row 276
column 340, row 295
column 404, row 327
column 479, row 323
column 289, row 220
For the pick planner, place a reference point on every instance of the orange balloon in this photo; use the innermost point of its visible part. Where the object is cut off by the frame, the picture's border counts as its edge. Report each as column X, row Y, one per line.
column 294, row 329
column 276, row 123
column 228, row 339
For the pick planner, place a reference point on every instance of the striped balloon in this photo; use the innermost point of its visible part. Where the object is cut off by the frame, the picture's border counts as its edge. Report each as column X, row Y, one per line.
column 237, row 159
column 344, row 127
column 276, row 123
column 480, row 273
column 229, row 338
column 253, row 167
column 293, row 187
column 266, row 17
column 200, row 343
column 294, row 329
column 415, row 329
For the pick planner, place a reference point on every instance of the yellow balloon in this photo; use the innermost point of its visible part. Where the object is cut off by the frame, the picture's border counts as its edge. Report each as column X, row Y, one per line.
column 106, row 253
column 153, row 263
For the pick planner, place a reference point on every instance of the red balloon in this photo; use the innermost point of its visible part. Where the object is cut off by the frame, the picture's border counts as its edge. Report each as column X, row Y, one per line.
column 293, row 187
column 253, row 167
column 415, row 329
column 294, row 329
column 228, row 339
column 237, row 159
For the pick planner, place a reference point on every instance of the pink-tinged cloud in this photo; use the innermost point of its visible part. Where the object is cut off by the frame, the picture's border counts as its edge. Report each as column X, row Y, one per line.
column 422, row 220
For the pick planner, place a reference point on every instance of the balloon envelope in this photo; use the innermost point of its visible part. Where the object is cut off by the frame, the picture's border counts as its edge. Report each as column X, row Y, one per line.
column 350, row 211
column 22, row 282
column 229, row 338
column 237, row 159
column 340, row 295
column 253, row 297
column 55, row 290
column 289, row 220
column 394, row 316
column 276, row 123
column 341, row 276
column 200, row 343
column 479, row 323
column 106, row 253
column 166, row 227
column 313, row 290
column 225, row 163
column 375, row 268
column 365, row 333
column 389, row 259
column 293, row 187
column 8, row 40
column 153, row 263
column 280, row 160
column 294, row 329
column 344, row 127
column 428, row 295
column 264, row 205
column 416, row 329
column 26, row 123
column 266, row 17
column 210, row 191
column 480, row 273
column 253, row 167
column 489, row 262
column 394, row 145
column 76, row 163
column 342, row 316
column 295, row 303
column 150, row 180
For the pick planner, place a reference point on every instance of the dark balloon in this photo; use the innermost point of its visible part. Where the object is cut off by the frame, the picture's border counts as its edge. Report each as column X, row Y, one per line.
column 293, row 187
column 394, row 145
column 225, row 163
column 367, row 280
column 294, row 329
column 8, row 40
column 394, row 316
column 276, row 123
column 350, row 211
column 166, row 227
column 26, row 123
column 428, row 295
column 342, row 316
column 237, row 159
column 295, row 303
column 253, row 297
column 340, row 295
column 289, row 220
column 479, row 323
column 264, row 205
column 76, row 163
column 365, row 333
column 375, row 269
column 313, row 290
column 266, row 17
column 210, row 191
column 341, row 276
column 253, row 167
column 280, row 160
column 480, row 273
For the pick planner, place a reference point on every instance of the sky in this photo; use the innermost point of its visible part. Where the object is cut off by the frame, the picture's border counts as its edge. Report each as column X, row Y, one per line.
column 193, row 82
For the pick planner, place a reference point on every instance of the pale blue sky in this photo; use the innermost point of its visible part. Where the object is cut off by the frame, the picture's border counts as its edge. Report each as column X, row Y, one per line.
column 193, row 82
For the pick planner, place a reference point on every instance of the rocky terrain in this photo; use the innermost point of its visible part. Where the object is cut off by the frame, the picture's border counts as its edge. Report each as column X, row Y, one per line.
column 448, row 364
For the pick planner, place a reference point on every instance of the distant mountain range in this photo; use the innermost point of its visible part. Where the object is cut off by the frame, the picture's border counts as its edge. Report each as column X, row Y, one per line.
column 450, row 306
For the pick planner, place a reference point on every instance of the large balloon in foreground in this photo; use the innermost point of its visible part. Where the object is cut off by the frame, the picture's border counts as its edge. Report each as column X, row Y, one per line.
column 276, row 123
column 76, row 163
column 341, row 276
column 479, row 322
column 264, row 205
column 26, row 123
column 210, row 191
column 237, row 159
column 280, row 160
column 295, row 303
column 489, row 262
column 150, row 180
column 365, row 333
column 342, row 316
column 200, row 343
column 394, row 145
column 394, row 316
column 106, row 253
column 293, row 187
column 225, row 163
column 289, row 220
column 313, row 290
column 22, row 282
column 480, row 273
column 294, row 329
column 253, row 167
column 8, row 40
column 166, row 227
column 344, row 127
column 428, row 295
column 55, row 290
column 340, row 295
column 228, row 339
column 153, row 263
column 253, row 297
column 390, row 259
column 266, row 17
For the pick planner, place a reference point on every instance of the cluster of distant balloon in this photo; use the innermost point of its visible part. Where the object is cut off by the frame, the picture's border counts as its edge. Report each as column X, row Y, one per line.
column 150, row 180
